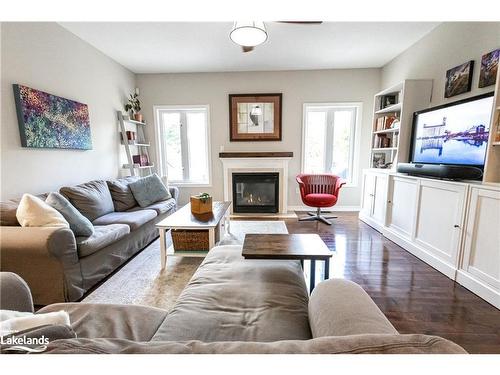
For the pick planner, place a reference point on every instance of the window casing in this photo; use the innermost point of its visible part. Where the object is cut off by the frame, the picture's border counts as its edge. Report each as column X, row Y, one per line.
column 329, row 139
column 183, row 144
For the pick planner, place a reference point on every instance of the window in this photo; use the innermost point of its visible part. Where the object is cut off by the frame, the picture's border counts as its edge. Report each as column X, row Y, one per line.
column 182, row 134
column 329, row 132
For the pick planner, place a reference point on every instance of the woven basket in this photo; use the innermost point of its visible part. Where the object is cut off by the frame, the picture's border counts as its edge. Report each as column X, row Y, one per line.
column 190, row 240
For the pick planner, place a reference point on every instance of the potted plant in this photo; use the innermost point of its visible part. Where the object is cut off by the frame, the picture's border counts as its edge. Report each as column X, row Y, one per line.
column 134, row 106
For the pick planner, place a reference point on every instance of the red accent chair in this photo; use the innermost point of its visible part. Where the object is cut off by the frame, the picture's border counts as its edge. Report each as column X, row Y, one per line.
column 319, row 190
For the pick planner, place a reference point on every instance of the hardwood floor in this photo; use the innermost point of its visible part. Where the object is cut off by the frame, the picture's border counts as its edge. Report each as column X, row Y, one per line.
column 414, row 296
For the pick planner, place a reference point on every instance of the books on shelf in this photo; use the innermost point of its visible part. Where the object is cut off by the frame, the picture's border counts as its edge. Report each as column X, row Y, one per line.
column 382, row 141
column 385, row 122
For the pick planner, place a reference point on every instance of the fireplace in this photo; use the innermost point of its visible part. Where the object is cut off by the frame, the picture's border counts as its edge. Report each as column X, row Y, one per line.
column 256, row 192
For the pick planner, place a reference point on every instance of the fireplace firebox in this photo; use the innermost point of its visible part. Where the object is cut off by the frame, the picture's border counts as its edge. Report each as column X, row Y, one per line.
column 256, row 192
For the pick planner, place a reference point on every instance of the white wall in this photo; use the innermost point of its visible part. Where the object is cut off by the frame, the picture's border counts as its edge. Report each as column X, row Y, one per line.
column 298, row 87
column 448, row 45
column 47, row 57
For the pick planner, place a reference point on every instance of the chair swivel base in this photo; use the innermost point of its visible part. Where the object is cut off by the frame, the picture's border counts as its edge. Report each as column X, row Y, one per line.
column 318, row 216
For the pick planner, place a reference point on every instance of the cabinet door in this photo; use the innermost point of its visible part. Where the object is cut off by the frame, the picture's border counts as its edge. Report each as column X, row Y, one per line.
column 440, row 215
column 368, row 194
column 380, row 199
column 482, row 237
column 402, row 204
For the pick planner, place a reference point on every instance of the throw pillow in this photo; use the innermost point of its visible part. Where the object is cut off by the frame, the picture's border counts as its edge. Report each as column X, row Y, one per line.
column 79, row 224
column 148, row 190
column 92, row 199
column 34, row 212
column 29, row 320
column 8, row 211
column 122, row 196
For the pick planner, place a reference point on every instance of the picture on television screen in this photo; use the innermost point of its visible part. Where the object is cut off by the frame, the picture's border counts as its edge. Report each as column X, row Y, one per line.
column 455, row 133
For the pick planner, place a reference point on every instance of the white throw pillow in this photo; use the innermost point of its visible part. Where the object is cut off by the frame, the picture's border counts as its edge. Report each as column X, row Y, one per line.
column 34, row 212
column 22, row 321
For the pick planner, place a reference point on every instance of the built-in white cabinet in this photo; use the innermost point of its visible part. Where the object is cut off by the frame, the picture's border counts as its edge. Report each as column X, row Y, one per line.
column 439, row 219
column 479, row 269
column 452, row 226
column 373, row 208
column 402, row 205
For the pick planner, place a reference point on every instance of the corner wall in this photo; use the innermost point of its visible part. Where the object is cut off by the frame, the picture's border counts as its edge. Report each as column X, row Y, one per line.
column 47, row 57
column 448, row 45
column 298, row 87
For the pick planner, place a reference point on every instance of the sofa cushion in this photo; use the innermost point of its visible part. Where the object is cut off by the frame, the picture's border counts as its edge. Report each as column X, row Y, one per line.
column 34, row 212
column 103, row 236
column 357, row 344
column 132, row 322
column 92, row 199
column 160, row 207
column 133, row 219
column 148, row 190
column 8, row 211
column 79, row 224
column 234, row 299
column 122, row 196
column 357, row 314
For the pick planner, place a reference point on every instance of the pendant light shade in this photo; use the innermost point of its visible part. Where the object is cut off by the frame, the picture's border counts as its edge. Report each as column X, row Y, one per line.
column 248, row 34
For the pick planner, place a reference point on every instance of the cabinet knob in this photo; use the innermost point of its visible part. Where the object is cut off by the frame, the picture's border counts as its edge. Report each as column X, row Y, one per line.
column 456, row 226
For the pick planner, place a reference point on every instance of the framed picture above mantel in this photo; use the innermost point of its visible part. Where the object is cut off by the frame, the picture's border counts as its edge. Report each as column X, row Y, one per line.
column 255, row 117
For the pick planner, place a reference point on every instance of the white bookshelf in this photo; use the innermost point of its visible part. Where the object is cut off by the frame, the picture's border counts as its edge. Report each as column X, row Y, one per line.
column 492, row 164
column 411, row 95
column 140, row 146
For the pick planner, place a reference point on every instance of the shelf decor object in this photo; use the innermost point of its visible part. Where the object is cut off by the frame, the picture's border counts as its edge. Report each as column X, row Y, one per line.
column 201, row 204
column 50, row 121
column 255, row 117
column 392, row 121
column 136, row 146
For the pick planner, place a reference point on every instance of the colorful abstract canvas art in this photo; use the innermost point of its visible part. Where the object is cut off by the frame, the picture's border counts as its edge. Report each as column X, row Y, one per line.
column 50, row 121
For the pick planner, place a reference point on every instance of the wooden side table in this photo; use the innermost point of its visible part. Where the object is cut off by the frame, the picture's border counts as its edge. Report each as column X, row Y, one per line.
column 289, row 247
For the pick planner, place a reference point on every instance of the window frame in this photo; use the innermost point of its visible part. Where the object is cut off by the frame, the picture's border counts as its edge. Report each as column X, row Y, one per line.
column 355, row 142
column 160, row 144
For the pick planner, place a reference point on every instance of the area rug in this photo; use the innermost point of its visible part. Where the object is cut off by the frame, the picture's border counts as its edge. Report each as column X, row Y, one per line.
column 142, row 282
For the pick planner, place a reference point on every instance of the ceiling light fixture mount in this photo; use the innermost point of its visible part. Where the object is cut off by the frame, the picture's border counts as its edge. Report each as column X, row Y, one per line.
column 248, row 33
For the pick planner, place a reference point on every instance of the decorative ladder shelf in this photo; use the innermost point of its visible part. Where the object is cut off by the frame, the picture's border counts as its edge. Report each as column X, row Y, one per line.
column 141, row 145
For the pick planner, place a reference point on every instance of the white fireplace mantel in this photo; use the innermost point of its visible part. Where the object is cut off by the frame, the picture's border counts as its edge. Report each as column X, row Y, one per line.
column 276, row 164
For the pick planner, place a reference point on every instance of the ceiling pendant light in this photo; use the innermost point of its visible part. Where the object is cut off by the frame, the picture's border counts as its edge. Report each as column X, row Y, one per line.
column 248, row 33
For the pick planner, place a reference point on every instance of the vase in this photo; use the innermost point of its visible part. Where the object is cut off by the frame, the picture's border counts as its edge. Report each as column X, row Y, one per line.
column 138, row 117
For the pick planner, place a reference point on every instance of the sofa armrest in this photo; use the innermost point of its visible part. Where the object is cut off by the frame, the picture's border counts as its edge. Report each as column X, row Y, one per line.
column 340, row 307
column 15, row 294
column 174, row 192
column 55, row 242
column 46, row 257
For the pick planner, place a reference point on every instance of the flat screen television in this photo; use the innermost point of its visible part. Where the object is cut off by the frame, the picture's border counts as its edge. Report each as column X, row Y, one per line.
column 454, row 133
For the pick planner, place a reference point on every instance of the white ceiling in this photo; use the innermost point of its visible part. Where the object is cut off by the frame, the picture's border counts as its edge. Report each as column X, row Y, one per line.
column 175, row 47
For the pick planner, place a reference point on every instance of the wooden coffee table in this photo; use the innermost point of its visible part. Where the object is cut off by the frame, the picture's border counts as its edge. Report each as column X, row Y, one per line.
column 215, row 223
column 290, row 247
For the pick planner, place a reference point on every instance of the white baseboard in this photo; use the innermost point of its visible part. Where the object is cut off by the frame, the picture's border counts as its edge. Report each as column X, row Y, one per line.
column 329, row 209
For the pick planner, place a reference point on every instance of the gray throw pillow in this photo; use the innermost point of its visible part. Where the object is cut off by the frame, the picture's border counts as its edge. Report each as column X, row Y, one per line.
column 123, row 199
column 148, row 190
column 79, row 224
column 92, row 199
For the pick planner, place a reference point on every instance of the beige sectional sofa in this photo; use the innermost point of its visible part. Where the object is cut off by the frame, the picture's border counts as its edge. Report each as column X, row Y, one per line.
column 60, row 267
column 233, row 305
